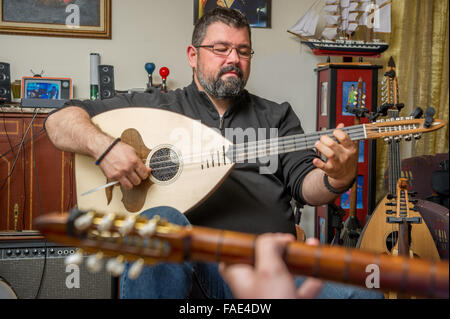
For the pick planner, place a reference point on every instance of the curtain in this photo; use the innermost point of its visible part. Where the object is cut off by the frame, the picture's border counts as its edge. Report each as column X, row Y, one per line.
column 418, row 42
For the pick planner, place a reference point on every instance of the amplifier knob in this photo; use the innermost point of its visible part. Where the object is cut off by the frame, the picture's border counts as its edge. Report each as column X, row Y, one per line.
column 35, row 251
column 26, row 251
column 9, row 252
column 17, row 252
column 52, row 251
column 43, row 250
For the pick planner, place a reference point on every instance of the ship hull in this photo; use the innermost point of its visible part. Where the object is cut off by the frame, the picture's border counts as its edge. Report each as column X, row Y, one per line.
column 337, row 49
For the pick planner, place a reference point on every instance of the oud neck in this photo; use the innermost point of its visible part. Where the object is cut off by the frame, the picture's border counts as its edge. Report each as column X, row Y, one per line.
column 326, row 262
column 292, row 143
column 395, row 170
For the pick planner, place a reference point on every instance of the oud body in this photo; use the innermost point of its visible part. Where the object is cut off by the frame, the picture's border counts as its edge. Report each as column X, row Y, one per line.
column 377, row 235
column 192, row 156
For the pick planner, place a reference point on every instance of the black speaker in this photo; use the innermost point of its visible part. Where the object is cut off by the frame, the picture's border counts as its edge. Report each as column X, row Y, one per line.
column 35, row 269
column 5, row 82
column 106, row 81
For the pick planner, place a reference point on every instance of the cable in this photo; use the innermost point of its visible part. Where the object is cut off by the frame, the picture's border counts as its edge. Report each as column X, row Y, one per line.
column 18, row 152
column 44, row 268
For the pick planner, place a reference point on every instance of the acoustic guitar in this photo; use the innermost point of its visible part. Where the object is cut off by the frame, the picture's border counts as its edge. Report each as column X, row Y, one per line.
column 134, row 238
column 189, row 160
column 378, row 235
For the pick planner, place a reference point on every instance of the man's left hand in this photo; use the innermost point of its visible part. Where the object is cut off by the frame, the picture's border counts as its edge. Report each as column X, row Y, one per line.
column 341, row 166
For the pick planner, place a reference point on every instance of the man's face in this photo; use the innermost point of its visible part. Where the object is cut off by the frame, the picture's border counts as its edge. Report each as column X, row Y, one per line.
column 222, row 76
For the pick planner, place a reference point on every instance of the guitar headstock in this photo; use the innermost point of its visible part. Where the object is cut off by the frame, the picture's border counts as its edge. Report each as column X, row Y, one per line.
column 402, row 127
column 389, row 90
column 118, row 237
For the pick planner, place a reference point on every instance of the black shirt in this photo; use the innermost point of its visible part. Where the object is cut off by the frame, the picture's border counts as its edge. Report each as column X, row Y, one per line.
column 246, row 201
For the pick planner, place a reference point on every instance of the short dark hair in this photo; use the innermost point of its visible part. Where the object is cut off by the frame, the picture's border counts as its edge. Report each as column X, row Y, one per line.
column 230, row 17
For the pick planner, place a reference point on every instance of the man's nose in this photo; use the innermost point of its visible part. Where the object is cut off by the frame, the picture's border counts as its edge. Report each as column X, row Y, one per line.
column 233, row 57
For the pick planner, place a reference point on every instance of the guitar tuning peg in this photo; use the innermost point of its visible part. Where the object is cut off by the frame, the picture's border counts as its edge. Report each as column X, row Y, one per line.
column 94, row 263
column 115, row 266
column 128, row 225
column 391, row 204
column 408, row 137
column 76, row 258
column 148, row 229
column 390, row 196
column 83, row 222
column 417, row 136
column 106, row 222
column 136, row 269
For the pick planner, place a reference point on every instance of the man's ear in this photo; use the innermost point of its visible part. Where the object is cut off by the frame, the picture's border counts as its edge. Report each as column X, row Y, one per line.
column 192, row 56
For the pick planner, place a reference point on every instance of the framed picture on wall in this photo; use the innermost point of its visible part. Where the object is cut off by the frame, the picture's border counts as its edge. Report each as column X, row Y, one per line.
column 256, row 11
column 61, row 18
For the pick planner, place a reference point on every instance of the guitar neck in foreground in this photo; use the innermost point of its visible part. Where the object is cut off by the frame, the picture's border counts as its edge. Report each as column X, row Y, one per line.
column 136, row 238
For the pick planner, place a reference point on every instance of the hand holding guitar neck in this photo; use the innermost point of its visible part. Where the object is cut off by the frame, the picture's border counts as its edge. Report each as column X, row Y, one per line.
column 164, row 72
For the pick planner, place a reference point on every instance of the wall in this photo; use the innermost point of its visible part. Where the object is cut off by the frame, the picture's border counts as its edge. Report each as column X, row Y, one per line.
column 159, row 31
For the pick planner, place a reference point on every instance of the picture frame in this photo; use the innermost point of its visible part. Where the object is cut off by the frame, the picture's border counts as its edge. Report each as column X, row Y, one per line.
column 58, row 18
column 258, row 12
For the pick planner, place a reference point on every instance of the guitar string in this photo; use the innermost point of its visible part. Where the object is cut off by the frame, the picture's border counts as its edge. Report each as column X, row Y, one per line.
column 290, row 140
column 306, row 138
column 258, row 152
column 371, row 129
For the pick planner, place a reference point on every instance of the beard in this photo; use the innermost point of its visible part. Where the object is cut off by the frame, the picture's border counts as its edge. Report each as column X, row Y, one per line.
column 222, row 89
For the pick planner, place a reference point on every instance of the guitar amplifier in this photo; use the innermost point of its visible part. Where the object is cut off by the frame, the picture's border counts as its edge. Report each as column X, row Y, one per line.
column 35, row 269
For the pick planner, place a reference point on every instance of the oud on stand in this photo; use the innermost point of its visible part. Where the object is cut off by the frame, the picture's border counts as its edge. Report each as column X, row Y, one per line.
column 381, row 234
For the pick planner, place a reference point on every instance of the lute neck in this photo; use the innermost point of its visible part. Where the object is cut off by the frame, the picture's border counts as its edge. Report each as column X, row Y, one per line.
column 293, row 143
column 395, row 170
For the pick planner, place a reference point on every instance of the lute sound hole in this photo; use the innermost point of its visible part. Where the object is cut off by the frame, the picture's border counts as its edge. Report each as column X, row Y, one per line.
column 165, row 164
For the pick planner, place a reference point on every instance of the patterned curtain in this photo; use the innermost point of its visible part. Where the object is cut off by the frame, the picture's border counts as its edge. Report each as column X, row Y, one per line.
column 418, row 42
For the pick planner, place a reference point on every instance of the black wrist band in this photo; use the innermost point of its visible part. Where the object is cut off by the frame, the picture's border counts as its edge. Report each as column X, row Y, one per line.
column 117, row 140
column 333, row 190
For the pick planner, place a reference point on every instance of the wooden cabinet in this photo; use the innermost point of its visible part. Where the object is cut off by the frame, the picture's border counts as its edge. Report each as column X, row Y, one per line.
column 35, row 177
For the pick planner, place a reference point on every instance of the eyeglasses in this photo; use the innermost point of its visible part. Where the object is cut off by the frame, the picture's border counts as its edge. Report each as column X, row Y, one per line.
column 224, row 50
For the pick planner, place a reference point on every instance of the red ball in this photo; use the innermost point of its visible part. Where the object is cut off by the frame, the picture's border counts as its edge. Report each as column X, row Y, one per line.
column 164, row 72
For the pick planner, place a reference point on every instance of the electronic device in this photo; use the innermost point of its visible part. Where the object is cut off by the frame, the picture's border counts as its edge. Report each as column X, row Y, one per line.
column 5, row 82
column 48, row 92
column 35, row 268
column 51, row 88
column 106, row 81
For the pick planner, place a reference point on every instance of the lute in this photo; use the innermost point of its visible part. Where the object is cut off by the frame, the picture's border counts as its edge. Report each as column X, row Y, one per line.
column 190, row 160
column 378, row 235
column 143, row 241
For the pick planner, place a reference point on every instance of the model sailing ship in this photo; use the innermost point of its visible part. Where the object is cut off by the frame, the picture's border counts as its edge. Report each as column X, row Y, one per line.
column 329, row 27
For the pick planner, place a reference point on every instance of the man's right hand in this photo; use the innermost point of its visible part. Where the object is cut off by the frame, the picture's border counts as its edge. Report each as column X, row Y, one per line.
column 123, row 164
column 70, row 129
